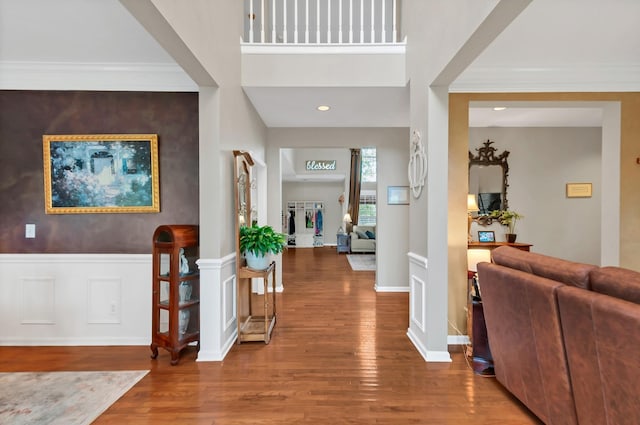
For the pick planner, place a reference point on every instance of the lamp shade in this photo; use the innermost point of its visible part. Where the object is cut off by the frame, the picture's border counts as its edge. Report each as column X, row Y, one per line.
column 347, row 218
column 472, row 205
column 475, row 256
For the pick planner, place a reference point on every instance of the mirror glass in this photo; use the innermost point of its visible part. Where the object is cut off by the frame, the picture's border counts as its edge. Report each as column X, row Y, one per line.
column 243, row 165
column 488, row 178
column 243, row 182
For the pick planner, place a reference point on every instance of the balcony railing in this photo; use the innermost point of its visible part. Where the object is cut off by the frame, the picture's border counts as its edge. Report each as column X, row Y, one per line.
column 321, row 22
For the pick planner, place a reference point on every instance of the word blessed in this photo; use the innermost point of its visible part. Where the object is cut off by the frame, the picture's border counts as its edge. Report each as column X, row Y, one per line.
column 320, row 165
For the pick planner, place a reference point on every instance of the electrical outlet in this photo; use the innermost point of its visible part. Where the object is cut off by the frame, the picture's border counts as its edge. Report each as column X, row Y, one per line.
column 30, row 231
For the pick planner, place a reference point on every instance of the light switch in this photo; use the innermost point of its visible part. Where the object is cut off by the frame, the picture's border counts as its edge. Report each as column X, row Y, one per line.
column 30, row 231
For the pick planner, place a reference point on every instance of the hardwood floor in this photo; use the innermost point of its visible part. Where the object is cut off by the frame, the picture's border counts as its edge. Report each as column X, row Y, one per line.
column 339, row 355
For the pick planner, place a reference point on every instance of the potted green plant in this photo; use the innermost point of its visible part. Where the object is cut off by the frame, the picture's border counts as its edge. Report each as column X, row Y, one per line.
column 256, row 242
column 509, row 219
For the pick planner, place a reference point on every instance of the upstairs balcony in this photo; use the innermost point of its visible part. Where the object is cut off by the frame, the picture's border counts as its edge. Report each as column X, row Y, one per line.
column 299, row 52
column 321, row 22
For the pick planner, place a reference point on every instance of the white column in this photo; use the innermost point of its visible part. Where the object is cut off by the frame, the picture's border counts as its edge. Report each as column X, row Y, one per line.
column 437, row 295
column 394, row 35
column 373, row 21
column 306, row 22
column 295, row 22
column 610, row 193
column 317, row 21
column 340, row 22
column 273, row 21
column 383, row 18
column 284, row 22
column 350, row 21
column 361, row 21
column 329, row 21
column 262, row 12
column 251, row 40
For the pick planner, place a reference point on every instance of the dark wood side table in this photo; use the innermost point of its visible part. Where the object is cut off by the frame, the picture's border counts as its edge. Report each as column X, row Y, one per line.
column 481, row 358
column 344, row 242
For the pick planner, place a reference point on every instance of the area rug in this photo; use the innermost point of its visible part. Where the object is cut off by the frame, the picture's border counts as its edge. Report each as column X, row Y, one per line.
column 57, row 398
column 362, row 262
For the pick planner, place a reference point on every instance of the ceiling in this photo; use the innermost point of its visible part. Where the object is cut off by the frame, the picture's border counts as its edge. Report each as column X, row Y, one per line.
column 552, row 45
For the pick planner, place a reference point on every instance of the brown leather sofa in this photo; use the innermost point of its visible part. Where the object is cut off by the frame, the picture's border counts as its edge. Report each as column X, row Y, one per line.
column 563, row 334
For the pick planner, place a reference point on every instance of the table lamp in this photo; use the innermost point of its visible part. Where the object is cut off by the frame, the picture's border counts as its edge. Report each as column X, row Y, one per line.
column 472, row 206
column 347, row 220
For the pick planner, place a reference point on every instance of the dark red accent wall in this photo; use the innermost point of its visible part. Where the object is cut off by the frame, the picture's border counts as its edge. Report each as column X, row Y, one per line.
column 26, row 115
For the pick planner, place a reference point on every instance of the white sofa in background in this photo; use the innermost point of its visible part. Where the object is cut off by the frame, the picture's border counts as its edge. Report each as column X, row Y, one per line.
column 360, row 241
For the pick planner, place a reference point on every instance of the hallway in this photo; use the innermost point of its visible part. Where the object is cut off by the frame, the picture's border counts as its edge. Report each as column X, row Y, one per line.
column 339, row 354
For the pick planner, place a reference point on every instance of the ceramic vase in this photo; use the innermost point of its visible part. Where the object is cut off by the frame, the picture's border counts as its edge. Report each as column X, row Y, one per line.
column 256, row 262
column 185, row 292
column 183, row 321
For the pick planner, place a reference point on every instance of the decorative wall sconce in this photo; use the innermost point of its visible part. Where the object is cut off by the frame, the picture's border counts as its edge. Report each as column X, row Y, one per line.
column 417, row 165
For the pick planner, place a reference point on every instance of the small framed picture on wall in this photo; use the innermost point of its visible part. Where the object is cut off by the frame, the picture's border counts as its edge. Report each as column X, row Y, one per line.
column 486, row 236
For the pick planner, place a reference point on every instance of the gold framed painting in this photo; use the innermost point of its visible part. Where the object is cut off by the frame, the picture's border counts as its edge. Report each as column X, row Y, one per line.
column 101, row 173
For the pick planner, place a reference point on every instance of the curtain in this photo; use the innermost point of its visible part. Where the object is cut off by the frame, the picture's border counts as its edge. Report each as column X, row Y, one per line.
column 354, row 185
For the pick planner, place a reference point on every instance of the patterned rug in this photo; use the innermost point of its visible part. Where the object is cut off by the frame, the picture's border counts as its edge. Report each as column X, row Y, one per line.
column 362, row 262
column 64, row 398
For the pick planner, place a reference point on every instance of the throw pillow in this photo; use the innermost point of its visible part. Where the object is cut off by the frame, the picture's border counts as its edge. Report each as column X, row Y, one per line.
column 370, row 234
column 361, row 234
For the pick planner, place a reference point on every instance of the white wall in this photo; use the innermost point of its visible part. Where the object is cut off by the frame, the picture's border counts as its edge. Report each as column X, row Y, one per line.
column 541, row 162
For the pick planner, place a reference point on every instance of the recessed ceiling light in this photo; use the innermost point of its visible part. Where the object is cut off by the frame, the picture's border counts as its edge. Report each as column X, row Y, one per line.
column 499, row 108
column 323, row 108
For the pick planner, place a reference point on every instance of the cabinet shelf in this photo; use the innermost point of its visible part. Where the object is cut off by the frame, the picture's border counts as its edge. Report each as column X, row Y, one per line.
column 175, row 323
column 184, row 304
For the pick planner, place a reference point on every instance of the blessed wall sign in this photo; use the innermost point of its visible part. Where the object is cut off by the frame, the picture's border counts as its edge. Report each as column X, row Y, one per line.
column 320, row 165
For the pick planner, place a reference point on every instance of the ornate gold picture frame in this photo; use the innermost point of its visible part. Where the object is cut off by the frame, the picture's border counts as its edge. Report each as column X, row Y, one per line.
column 101, row 173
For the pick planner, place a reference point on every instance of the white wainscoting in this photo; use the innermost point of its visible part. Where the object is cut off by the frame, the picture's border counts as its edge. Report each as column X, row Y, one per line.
column 418, row 331
column 75, row 299
column 218, row 315
column 417, row 306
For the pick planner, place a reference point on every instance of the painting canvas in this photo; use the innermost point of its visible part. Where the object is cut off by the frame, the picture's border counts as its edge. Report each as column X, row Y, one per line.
column 101, row 173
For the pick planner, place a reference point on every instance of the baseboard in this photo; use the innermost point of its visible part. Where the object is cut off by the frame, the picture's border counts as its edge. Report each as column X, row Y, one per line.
column 458, row 340
column 429, row 355
column 381, row 288
column 218, row 356
column 79, row 342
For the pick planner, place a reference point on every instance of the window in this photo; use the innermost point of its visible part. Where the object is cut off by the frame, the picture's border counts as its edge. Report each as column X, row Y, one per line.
column 367, row 213
column 368, row 158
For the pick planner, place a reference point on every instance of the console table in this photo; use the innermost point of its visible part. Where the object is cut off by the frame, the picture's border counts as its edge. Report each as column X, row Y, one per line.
column 494, row 245
column 252, row 326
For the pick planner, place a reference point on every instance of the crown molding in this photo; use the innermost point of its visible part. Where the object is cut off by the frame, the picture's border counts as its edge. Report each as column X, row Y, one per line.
column 94, row 76
column 586, row 78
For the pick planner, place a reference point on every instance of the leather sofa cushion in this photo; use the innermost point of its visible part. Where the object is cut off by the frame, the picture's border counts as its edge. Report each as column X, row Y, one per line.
column 567, row 272
column 617, row 282
column 523, row 326
column 600, row 333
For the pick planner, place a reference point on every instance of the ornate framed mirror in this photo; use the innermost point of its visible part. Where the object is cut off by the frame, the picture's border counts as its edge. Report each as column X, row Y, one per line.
column 243, row 182
column 489, row 180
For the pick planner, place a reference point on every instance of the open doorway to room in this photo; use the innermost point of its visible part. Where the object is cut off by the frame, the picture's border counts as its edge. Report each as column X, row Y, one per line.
column 551, row 145
column 318, row 202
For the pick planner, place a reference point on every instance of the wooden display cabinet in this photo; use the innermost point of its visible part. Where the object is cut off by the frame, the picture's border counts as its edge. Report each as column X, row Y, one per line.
column 176, row 290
